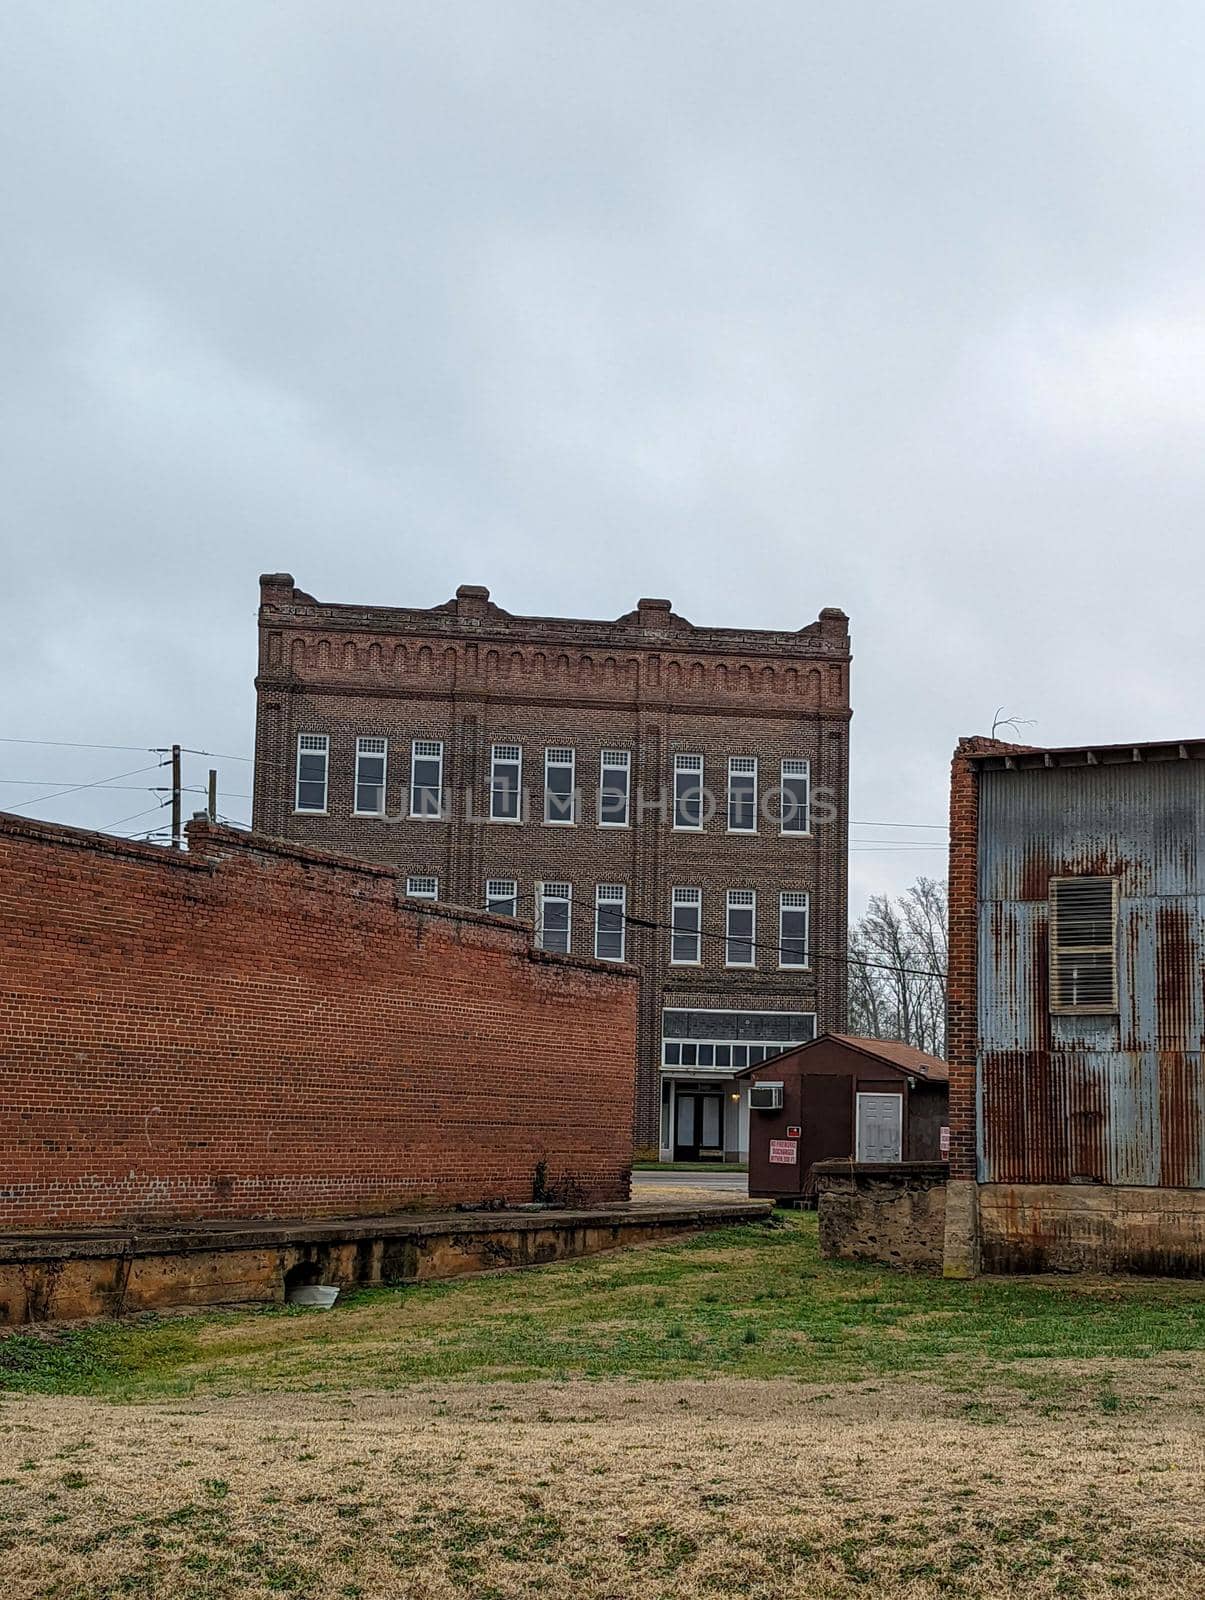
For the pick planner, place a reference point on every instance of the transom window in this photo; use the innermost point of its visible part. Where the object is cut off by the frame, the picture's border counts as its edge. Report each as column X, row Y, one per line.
column 554, row 918
column 426, row 778
column 686, row 927
column 795, row 796
column 560, row 800
column 614, row 785
column 420, row 888
column 502, row 897
column 792, row 928
column 742, row 794
column 727, row 1041
column 741, row 931
column 313, row 751
column 371, row 757
column 506, row 783
column 688, row 792
column 610, row 904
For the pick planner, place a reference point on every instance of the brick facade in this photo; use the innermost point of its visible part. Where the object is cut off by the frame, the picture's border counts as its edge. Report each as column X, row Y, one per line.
column 962, row 1014
column 468, row 675
column 253, row 1029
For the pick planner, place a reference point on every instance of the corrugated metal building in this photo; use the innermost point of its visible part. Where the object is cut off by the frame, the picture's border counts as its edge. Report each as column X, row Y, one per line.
column 1078, row 1008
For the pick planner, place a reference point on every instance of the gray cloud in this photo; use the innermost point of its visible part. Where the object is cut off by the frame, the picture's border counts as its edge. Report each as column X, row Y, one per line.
column 895, row 307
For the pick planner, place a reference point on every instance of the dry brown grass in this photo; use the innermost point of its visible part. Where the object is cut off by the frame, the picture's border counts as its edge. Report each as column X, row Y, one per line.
column 695, row 1490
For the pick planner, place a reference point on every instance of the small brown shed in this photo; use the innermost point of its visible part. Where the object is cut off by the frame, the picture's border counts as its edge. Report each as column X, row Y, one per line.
column 841, row 1096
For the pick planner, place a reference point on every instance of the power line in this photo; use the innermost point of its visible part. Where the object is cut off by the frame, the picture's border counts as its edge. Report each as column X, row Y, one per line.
column 71, row 744
column 133, row 816
column 76, row 744
column 942, row 825
column 213, row 754
column 99, row 784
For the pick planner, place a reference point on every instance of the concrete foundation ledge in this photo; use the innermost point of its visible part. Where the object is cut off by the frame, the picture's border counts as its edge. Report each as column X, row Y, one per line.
column 1074, row 1227
column 893, row 1213
column 65, row 1276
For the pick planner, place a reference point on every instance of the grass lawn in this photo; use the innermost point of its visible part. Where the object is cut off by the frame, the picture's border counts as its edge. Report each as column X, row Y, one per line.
column 817, row 1429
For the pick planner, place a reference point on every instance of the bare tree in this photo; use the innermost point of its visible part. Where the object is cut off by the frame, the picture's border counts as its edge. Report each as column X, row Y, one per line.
column 897, row 971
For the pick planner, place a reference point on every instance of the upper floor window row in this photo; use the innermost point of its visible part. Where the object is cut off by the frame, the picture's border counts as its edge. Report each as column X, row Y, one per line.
column 744, row 804
column 739, row 936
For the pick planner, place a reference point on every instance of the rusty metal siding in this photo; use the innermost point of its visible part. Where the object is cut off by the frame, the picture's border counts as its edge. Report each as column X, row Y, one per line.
column 1111, row 1099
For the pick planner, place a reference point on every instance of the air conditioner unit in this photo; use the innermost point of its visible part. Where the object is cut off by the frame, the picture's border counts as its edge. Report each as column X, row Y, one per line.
column 765, row 1097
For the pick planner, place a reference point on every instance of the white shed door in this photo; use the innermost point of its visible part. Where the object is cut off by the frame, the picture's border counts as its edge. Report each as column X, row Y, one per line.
column 880, row 1127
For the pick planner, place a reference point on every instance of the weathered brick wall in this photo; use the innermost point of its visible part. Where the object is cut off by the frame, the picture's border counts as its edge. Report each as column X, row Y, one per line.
column 255, row 1029
column 962, row 1026
column 962, row 1000
column 894, row 1214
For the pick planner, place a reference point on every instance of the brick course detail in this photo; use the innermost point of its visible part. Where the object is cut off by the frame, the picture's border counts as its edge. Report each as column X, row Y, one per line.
column 254, row 1029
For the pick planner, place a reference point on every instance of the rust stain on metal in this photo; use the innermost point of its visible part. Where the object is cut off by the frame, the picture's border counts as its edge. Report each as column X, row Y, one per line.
column 1175, row 988
column 1180, row 1119
column 1116, row 1097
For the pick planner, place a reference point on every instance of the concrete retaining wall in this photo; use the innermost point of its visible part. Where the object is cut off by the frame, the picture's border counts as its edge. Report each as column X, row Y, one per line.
column 1039, row 1227
column 892, row 1214
column 61, row 1278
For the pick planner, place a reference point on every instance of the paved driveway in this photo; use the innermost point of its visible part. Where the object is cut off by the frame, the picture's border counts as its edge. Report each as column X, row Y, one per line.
column 650, row 1187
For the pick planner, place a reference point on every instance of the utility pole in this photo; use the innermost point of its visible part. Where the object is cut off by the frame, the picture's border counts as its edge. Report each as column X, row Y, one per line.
column 176, row 840
column 213, row 794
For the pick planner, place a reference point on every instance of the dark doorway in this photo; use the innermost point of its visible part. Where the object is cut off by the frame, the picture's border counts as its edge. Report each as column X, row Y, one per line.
column 698, row 1126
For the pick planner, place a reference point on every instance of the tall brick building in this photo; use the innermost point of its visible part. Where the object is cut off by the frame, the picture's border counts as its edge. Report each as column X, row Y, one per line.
column 642, row 790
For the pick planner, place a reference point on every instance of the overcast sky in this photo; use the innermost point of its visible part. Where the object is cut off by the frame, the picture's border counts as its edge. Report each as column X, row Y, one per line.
column 761, row 307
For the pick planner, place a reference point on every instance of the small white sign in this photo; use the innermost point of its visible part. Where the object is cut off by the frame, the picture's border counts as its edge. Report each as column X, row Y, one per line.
column 945, row 1141
column 784, row 1151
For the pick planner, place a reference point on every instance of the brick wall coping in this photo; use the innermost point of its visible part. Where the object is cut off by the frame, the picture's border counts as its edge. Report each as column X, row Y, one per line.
column 210, row 843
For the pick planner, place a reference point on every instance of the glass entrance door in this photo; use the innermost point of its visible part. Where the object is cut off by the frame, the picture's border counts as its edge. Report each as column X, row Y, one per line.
column 698, row 1126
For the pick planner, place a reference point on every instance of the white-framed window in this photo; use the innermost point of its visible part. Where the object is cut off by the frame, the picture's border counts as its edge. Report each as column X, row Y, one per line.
column 560, row 778
column 740, row 933
column 686, row 927
column 506, row 783
column 427, row 778
column 688, row 793
column 554, row 917
column 610, row 907
column 372, row 756
column 1083, row 946
column 742, row 794
column 792, row 928
column 313, row 754
column 502, row 897
column 614, row 788
column 420, row 888
column 795, row 796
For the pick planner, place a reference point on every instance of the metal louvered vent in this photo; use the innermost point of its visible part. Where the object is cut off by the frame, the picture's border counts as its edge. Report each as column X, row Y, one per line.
column 1083, row 946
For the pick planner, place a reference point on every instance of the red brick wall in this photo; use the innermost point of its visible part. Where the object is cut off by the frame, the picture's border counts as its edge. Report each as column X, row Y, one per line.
column 962, row 1001
column 256, row 1029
